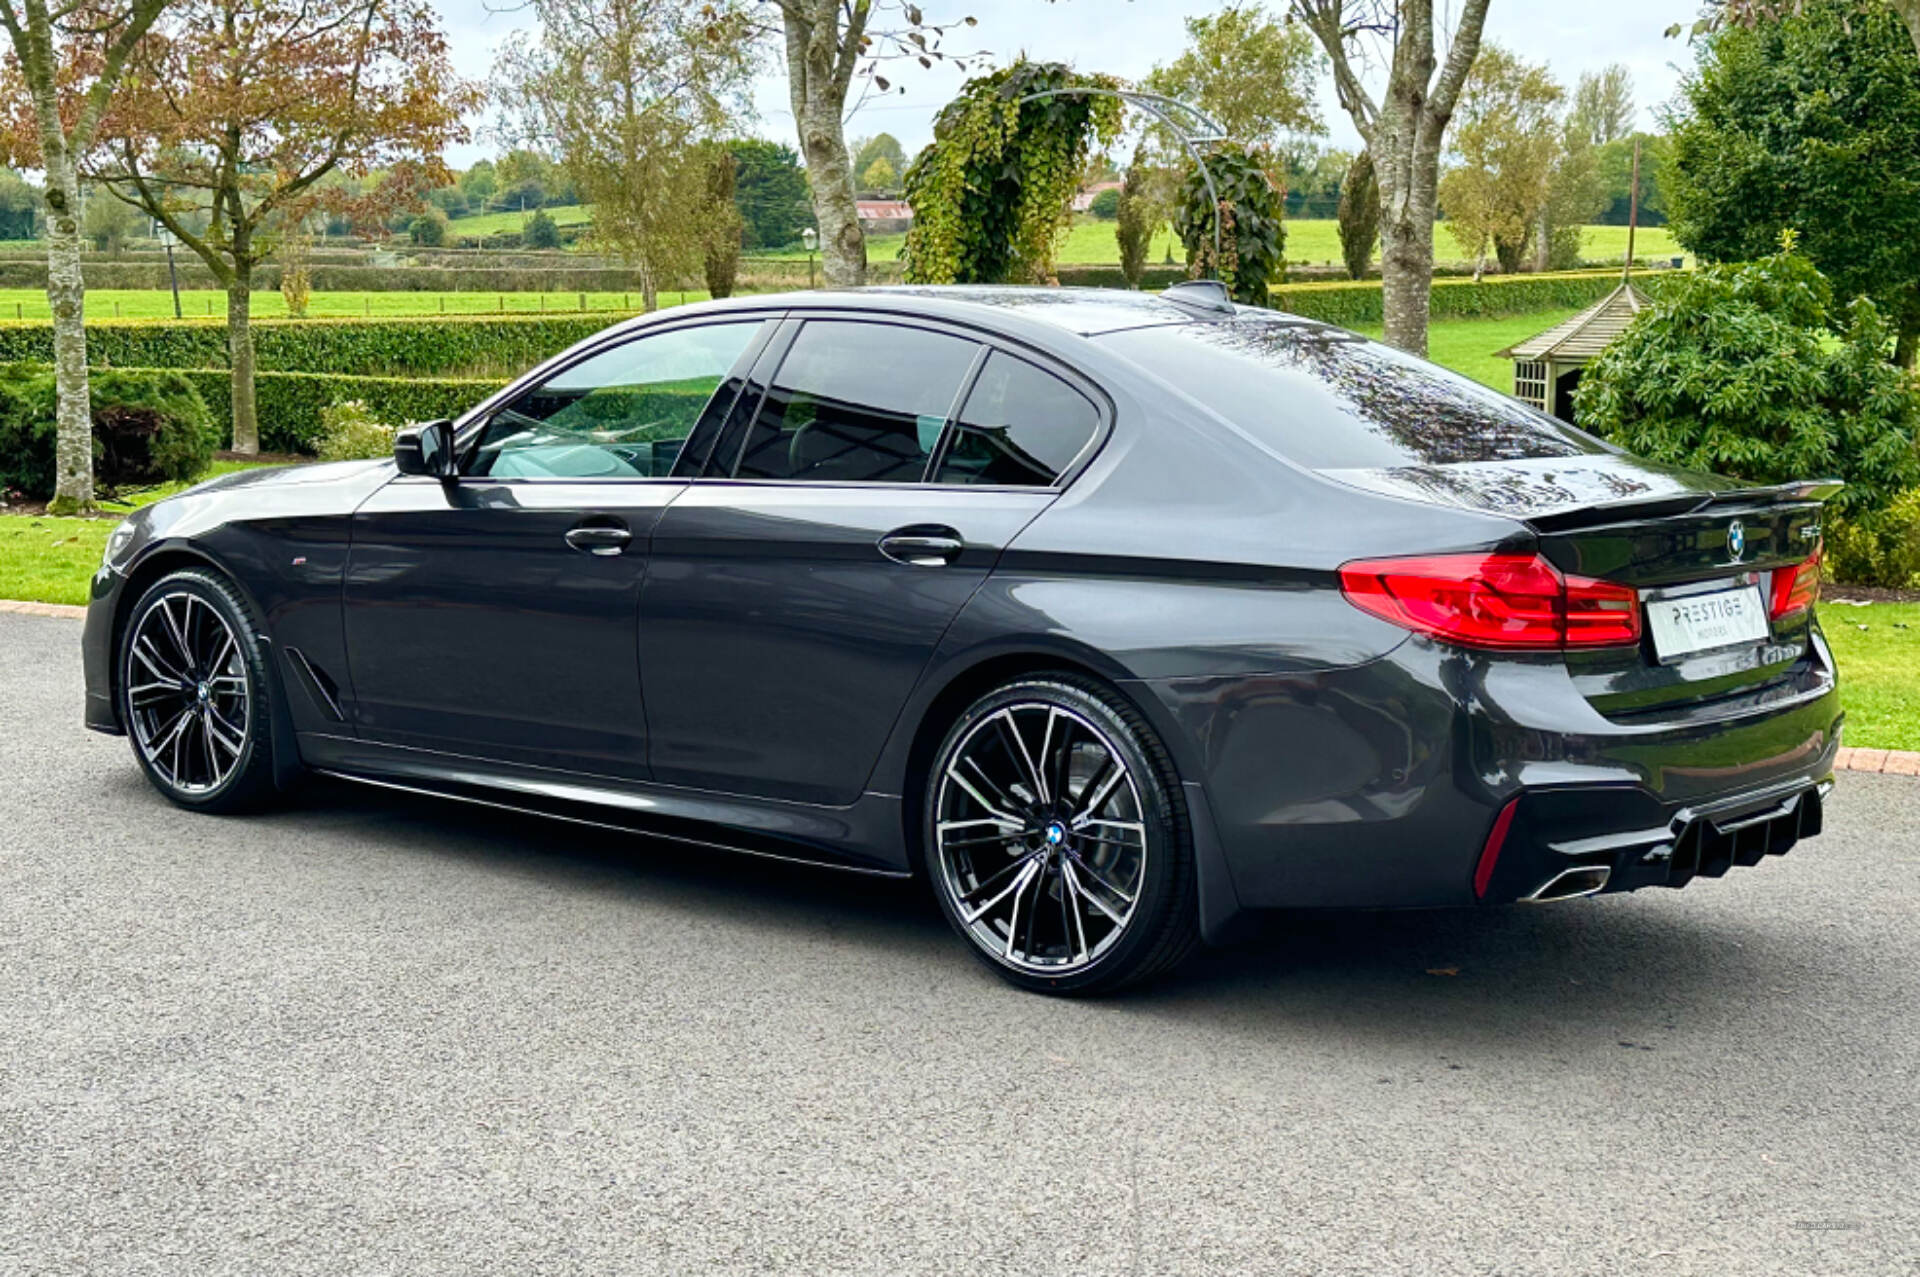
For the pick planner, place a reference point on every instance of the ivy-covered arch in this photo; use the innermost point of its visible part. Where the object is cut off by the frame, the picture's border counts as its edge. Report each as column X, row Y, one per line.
column 993, row 191
column 1247, row 207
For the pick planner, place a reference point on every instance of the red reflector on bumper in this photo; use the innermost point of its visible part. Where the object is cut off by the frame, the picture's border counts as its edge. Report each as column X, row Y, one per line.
column 1490, row 854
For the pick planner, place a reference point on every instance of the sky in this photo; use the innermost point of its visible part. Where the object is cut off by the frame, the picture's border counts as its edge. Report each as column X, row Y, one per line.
column 1128, row 38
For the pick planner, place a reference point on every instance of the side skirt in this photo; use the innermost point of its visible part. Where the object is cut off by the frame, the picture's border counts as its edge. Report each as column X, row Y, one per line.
column 863, row 838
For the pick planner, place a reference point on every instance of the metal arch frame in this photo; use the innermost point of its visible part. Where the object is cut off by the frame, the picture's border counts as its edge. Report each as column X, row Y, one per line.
column 1162, row 109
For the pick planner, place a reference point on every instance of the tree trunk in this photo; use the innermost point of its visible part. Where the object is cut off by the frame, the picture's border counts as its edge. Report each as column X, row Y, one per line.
column 1406, row 280
column 246, row 421
column 66, row 296
column 1543, row 240
column 819, row 100
column 649, row 290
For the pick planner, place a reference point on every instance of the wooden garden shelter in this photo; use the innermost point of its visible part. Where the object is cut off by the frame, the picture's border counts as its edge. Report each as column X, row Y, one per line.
column 1547, row 367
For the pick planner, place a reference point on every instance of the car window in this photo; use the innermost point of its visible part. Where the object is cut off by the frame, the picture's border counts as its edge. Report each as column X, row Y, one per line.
column 621, row 414
column 856, row 403
column 1020, row 426
column 1331, row 401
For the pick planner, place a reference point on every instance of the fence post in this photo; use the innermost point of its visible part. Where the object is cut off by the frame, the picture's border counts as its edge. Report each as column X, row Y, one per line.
column 583, row 301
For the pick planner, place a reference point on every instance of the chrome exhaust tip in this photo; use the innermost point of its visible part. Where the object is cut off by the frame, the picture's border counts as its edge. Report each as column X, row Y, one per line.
column 1581, row 880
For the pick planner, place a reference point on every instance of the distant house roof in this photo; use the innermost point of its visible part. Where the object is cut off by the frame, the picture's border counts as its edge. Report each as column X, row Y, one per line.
column 1587, row 333
column 1083, row 198
column 884, row 210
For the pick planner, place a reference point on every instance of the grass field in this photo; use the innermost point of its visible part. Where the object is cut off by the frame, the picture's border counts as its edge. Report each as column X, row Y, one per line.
column 510, row 223
column 1309, row 242
column 1878, row 649
column 131, row 303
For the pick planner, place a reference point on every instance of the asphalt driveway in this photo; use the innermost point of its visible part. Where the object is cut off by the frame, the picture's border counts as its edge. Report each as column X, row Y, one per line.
column 373, row 1034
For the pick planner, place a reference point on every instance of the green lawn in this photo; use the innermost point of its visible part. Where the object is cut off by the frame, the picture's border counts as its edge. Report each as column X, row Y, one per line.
column 46, row 560
column 1878, row 649
column 147, row 303
column 1469, row 345
column 510, row 223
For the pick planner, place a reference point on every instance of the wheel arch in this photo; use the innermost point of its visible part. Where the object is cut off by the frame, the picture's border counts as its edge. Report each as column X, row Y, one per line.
column 174, row 556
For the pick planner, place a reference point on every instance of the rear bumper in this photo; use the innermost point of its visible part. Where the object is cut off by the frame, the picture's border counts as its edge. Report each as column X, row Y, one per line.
column 1378, row 785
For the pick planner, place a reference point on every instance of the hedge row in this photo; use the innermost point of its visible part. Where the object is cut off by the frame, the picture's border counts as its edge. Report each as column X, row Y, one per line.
column 1356, row 304
column 289, row 403
column 444, row 346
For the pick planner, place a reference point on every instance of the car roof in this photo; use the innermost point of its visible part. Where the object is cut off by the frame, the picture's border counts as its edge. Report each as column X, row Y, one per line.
column 1083, row 312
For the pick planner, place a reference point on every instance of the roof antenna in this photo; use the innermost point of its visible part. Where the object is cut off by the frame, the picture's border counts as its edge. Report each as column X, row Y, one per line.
column 1200, row 294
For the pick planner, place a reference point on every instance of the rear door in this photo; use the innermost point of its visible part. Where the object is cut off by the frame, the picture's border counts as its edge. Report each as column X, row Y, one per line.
column 798, row 590
column 497, row 615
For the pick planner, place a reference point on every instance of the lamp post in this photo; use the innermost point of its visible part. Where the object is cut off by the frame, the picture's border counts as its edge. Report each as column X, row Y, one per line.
column 167, row 238
column 811, row 238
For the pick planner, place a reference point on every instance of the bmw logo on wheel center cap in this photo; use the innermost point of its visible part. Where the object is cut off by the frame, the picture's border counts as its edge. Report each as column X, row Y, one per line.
column 1056, row 833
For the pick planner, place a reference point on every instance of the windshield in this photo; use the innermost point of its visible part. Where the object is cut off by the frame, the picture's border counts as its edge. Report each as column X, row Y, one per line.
column 1332, row 401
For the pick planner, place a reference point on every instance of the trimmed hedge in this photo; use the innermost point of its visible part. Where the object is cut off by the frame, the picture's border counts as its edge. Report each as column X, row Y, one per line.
column 443, row 346
column 289, row 404
column 1358, row 303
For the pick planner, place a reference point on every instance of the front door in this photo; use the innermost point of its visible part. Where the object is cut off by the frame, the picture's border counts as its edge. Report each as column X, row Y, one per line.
column 795, row 597
column 496, row 616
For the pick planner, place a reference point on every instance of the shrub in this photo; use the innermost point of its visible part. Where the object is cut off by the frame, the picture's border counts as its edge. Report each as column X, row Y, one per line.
column 149, row 426
column 541, row 231
column 1359, row 215
column 429, row 229
column 1882, row 548
column 1252, row 239
column 1352, row 305
column 1752, row 371
column 1106, row 205
column 350, row 432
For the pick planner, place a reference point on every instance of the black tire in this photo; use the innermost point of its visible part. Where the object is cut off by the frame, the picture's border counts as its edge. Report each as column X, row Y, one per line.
column 1085, row 863
column 184, row 739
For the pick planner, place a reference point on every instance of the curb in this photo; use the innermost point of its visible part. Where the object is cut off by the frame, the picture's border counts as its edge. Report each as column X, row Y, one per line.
column 1885, row 762
column 66, row 610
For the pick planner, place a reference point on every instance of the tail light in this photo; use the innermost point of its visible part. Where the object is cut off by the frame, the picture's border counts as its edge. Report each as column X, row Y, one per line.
column 1510, row 601
column 1797, row 588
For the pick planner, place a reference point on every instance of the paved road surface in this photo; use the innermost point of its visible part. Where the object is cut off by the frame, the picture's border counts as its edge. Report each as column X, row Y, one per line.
column 374, row 1034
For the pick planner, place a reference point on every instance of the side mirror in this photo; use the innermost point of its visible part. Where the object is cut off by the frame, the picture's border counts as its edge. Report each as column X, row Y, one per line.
column 425, row 449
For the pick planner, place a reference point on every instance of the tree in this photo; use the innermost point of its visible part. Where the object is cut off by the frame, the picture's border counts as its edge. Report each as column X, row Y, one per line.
column 1603, row 104
column 1403, row 131
column 720, row 260
column 244, row 106
column 770, row 191
column 1359, row 216
column 1137, row 215
column 1614, row 165
column 627, row 91
column 882, row 146
column 540, row 230
column 1254, row 75
column 827, row 42
column 108, row 223
column 1810, row 123
column 880, row 175
column 1753, row 371
column 18, row 200
column 1750, row 13
column 66, row 66
column 479, row 183
column 1505, row 142
column 428, row 229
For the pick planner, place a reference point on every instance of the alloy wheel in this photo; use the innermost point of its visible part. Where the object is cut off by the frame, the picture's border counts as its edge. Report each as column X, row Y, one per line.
column 188, row 698
column 1041, row 837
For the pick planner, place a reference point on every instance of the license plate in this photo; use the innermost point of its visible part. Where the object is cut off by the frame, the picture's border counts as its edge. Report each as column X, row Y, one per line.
column 1703, row 622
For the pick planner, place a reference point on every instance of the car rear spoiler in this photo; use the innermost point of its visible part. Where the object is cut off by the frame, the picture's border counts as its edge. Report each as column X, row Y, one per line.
column 1671, row 505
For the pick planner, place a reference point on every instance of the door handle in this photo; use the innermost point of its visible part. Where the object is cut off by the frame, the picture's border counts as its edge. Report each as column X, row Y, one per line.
column 599, row 539
column 922, row 547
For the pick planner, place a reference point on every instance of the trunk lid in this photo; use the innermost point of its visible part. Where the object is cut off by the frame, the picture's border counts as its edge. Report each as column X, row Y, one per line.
column 1681, row 538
